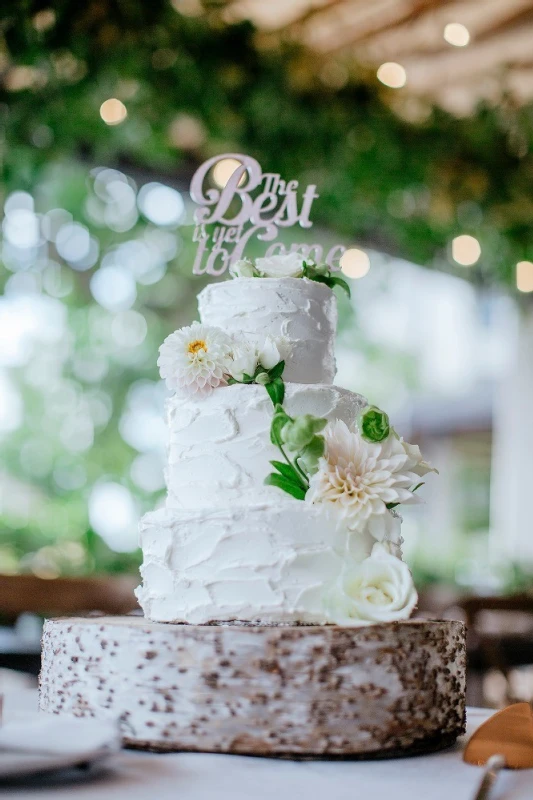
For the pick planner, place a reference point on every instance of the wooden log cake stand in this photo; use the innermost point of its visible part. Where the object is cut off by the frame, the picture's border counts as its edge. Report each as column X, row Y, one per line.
column 301, row 691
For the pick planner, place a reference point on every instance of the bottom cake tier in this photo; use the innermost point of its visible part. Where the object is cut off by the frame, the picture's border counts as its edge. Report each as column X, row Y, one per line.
column 302, row 691
column 259, row 564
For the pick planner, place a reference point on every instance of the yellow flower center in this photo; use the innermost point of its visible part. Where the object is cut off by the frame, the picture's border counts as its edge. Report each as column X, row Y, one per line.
column 194, row 347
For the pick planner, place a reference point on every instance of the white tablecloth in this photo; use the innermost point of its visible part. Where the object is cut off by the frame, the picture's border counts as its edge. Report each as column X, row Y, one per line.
column 132, row 775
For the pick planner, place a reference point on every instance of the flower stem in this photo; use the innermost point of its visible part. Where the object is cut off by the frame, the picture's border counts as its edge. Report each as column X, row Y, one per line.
column 295, row 467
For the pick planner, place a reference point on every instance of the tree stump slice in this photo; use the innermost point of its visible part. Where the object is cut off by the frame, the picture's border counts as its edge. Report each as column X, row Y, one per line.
column 294, row 691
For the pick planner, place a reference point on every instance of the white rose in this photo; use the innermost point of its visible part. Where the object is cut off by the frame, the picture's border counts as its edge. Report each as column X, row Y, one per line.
column 243, row 269
column 244, row 361
column 268, row 353
column 287, row 265
column 379, row 589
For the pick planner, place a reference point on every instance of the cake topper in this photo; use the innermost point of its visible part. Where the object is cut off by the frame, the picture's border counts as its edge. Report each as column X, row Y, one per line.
column 249, row 205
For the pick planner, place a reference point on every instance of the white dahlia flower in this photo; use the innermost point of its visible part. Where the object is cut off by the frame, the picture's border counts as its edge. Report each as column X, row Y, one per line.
column 378, row 589
column 195, row 360
column 285, row 265
column 361, row 478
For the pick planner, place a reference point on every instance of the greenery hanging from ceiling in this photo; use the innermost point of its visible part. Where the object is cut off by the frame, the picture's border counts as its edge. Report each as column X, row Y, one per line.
column 193, row 86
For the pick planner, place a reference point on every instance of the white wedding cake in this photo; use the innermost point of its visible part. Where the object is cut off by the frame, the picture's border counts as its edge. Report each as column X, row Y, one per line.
column 277, row 554
column 228, row 547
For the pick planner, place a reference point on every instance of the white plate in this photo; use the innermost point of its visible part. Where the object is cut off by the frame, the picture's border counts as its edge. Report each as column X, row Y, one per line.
column 43, row 743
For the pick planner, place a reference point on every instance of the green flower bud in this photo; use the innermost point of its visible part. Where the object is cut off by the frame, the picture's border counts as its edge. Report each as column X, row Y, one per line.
column 298, row 433
column 262, row 379
column 374, row 424
column 321, row 269
column 311, row 454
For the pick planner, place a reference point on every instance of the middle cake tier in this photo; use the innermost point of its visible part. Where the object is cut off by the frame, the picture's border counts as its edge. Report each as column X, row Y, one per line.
column 220, row 448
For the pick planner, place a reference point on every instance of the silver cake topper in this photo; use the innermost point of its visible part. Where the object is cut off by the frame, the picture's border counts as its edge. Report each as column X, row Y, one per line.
column 261, row 203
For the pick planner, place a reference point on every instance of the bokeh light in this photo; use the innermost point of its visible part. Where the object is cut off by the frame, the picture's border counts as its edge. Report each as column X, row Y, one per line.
column 187, row 132
column 392, row 75
column 224, row 169
column 466, row 250
column 355, row 263
column 142, row 425
column 21, row 228
column 457, row 34
column 114, row 516
column 147, row 472
column 114, row 288
column 113, row 111
column 524, row 276
column 161, row 204
column 73, row 241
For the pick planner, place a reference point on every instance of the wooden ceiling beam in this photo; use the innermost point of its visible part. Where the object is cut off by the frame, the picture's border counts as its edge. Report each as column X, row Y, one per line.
column 425, row 35
column 497, row 59
column 331, row 30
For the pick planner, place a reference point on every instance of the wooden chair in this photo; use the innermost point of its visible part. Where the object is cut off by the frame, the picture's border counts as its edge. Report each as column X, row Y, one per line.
column 500, row 637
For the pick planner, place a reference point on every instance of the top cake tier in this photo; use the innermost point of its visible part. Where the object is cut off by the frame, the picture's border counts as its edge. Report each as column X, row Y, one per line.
column 301, row 312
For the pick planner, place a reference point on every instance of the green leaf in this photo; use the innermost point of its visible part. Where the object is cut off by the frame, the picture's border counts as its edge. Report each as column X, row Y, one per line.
column 277, row 371
column 286, row 485
column 418, row 485
column 279, row 420
column 276, row 391
column 232, row 381
column 289, row 472
column 331, row 281
column 247, row 378
column 336, row 281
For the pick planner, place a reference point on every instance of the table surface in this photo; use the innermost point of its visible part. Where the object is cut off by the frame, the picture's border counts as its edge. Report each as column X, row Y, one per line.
column 132, row 775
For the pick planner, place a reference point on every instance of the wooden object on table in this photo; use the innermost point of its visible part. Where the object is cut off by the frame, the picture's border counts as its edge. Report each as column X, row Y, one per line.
column 381, row 690
column 509, row 734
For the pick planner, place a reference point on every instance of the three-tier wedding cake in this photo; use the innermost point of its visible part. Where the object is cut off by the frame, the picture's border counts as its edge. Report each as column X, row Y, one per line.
column 227, row 547
column 277, row 554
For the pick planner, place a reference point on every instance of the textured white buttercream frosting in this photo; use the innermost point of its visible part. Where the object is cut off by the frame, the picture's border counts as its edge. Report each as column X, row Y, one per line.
column 219, row 446
column 257, row 563
column 300, row 311
column 227, row 547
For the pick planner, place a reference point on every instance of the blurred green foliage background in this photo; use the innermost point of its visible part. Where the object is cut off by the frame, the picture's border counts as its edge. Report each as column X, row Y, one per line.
column 96, row 246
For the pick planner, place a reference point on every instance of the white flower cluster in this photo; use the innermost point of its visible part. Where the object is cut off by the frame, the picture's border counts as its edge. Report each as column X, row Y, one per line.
column 363, row 481
column 199, row 358
column 284, row 265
